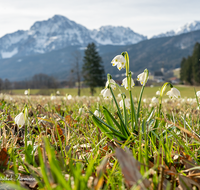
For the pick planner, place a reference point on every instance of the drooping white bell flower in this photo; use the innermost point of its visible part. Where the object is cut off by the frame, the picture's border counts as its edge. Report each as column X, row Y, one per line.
column 20, row 120
column 69, row 97
column 174, row 93
column 119, row 95
column 106, row 93
column 158, row 93
column 142, row 78
column 97, row 113
column 53, row 97
column 120, row 61
column 26, row 92
column 198, row 94
column 112, row 84
column 154, row 100
column 81, row 111
column 125, row 83
column 127, row 103
column 58, row 92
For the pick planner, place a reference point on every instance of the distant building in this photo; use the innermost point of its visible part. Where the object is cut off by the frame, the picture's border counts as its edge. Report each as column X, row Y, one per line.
column 158, row 76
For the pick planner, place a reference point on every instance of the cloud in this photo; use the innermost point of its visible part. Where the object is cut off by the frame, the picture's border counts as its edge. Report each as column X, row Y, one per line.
column 145, row 16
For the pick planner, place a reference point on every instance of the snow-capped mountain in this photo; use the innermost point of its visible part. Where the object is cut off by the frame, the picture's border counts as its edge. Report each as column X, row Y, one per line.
column 116, row 35
column 189, row 27
column 59, row 32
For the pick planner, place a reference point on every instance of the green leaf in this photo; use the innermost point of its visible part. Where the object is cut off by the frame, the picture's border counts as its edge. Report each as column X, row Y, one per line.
column 113, row 119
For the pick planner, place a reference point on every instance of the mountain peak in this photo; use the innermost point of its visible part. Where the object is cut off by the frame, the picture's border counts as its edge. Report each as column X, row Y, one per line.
column 59, row 32
column 189, row 27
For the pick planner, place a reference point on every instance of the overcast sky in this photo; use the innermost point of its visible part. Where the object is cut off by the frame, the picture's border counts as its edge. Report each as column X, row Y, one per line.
column 147, row 17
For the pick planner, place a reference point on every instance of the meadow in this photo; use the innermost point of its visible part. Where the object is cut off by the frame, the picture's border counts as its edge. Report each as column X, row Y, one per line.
column 121, row 138
column 61, row 145
column 186, row 91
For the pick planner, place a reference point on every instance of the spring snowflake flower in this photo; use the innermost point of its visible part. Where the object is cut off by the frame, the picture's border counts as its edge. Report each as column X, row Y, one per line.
column 154, row 100
column 127, row 104
column 198, row 94
column 58, row 92
column 106, row 93
column 125, row 83
column 112, row 84
column 69, row 97
column 81, row 111
column 53, row 97
column 97, row 113
column 158, row 93
column 174, row 93
column 120, row 61
column 26, row 92
column 142, row 78
column 20, row 120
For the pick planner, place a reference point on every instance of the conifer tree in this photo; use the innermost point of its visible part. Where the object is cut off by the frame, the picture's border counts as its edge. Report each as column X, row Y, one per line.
column 196, row 63
column 93, row 70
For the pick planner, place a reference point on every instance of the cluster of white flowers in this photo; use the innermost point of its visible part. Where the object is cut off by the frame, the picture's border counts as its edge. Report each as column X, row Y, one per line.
column 120, row 61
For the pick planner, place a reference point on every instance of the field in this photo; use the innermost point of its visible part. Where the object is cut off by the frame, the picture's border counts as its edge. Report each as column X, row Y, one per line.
column 58, row 142
column 186, row 91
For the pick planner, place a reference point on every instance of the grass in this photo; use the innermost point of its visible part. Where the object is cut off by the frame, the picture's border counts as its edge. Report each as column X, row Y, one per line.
column 186, row 91
column 60, row 148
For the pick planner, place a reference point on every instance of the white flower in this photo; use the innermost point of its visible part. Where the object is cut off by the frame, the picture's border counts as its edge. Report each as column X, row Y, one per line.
column 97, row 113
column 106, row 93
column 119, row 95
column 127, row 103
column 198, row 94
column 125, row 83
column 174, row 93
column 58, row 93
column 154, row 100
column 142, row 78
column 53, row 97
column 69, row 97
column 113, row 85
column 81, row 111
column 20, row 120
column 158, row 93
column 144, row 100
column 120, row 61
column 26, row 92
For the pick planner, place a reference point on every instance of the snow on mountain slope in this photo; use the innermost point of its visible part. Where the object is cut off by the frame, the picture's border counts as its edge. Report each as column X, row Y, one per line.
column 189, row 27
column 59, row 32
column 116, row 35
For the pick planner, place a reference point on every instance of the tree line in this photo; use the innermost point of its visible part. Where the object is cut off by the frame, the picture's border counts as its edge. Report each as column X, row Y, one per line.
column 190, row 67
column 91, row 74
column 38, row 81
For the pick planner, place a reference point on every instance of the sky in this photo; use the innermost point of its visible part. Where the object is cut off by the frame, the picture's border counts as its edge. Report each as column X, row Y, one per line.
column 146, row 17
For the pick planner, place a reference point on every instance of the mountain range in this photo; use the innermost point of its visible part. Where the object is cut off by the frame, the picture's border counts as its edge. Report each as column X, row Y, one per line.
column 49, row 47
column 59, row 32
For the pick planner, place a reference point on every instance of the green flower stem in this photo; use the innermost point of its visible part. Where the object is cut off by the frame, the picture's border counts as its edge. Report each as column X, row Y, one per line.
column 133, row 115
column 125, row 112
column 140, row 98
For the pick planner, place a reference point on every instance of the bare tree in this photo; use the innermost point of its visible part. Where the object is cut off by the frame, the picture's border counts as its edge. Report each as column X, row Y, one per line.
column 76, row 70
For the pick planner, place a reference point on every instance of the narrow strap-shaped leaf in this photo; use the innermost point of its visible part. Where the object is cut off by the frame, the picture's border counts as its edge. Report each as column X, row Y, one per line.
column 108, row 119
column 111, row 128
column 118, row 109
column 126, row 132
column 102, row 128
column 114, row 120
column 125, row 116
